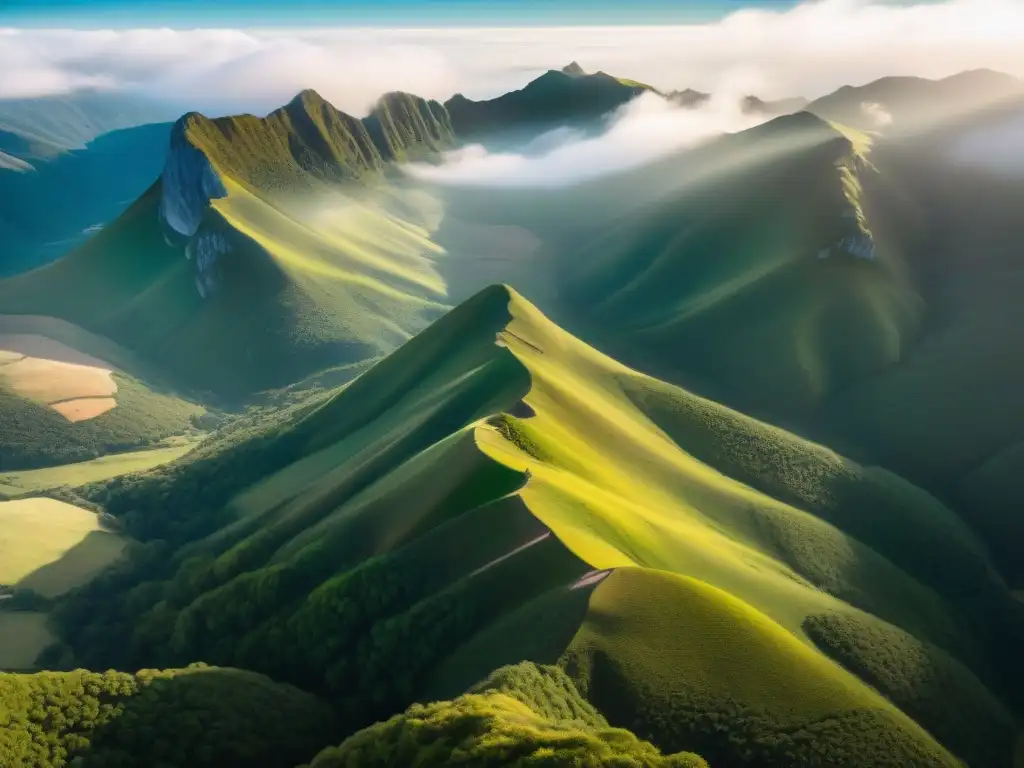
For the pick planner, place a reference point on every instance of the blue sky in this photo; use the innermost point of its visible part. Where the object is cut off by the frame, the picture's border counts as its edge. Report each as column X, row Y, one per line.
column 249, row 13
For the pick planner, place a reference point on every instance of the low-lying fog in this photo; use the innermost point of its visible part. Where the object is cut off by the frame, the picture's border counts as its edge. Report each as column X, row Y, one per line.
column 646, row 128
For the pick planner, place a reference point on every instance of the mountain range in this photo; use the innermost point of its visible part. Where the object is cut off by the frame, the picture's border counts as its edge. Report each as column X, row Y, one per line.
column 711, row 461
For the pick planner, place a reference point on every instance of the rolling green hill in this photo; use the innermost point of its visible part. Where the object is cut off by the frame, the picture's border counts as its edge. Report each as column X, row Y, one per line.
column 498, row 491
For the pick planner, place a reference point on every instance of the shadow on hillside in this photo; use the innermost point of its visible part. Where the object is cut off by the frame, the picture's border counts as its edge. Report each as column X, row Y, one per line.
column 94, row 553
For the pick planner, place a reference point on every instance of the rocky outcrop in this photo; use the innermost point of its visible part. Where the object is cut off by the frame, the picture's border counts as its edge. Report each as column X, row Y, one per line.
column 403, row 126
column 206, row 248
column 188, row 182
column 857, row 243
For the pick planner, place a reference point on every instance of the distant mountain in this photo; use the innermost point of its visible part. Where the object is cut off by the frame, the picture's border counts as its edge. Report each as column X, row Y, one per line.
column 755, row 105
column 49, row 208
column 497, row 491
column 553, row 99
column 38, row 129
column 903, row 104
column 689, row 97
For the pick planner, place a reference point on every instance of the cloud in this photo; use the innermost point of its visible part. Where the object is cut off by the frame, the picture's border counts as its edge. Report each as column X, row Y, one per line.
column 848, row 41
column 641, row 131
column 997, row 148
column 877, row 112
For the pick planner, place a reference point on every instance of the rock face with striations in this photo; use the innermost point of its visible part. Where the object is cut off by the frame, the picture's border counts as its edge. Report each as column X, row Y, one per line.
column 188, row 181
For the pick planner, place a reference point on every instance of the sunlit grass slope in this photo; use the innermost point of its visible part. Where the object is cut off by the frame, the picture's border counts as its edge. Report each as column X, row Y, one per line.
column 459, row 506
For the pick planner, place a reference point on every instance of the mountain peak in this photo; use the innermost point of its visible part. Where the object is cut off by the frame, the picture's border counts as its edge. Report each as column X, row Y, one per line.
column 573, row 68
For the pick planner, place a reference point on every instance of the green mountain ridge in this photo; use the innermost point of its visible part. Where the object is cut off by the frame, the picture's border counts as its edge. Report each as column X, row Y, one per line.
column 496, row 491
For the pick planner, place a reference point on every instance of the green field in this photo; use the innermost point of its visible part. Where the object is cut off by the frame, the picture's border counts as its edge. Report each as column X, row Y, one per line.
column 93, row 471
column 50, row 546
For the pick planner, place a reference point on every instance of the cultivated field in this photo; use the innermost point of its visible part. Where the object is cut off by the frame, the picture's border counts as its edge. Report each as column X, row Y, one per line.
column 51, row 546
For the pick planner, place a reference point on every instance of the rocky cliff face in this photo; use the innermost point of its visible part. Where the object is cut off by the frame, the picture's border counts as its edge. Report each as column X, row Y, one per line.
column 189, row 183
column 206, row 248
column 856, row 242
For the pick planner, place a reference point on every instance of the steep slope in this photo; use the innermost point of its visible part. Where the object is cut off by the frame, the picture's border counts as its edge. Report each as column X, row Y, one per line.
column 496, row 491
column 555, row 98
column 270, row 248
column 770, row 281
column 948, row 415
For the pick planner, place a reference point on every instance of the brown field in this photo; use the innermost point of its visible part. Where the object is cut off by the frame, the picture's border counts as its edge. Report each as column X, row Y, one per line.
column 84, row 408
column 76, row 385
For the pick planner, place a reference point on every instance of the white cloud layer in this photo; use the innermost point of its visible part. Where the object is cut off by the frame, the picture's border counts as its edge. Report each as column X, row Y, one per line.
column 808, row 50
column 642, row 130
column 997, row 148
column 878, row 113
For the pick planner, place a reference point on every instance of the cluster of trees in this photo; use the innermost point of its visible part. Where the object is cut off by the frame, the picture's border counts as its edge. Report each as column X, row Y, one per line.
column 924, row 681
column 184, row 501
column 200, row 717
column 527, row 716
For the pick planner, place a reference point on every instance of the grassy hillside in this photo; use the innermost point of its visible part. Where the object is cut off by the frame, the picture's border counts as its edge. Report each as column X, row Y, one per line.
column 770, row 285
column 290, row 255
column 495, row 491
column 47, row 548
